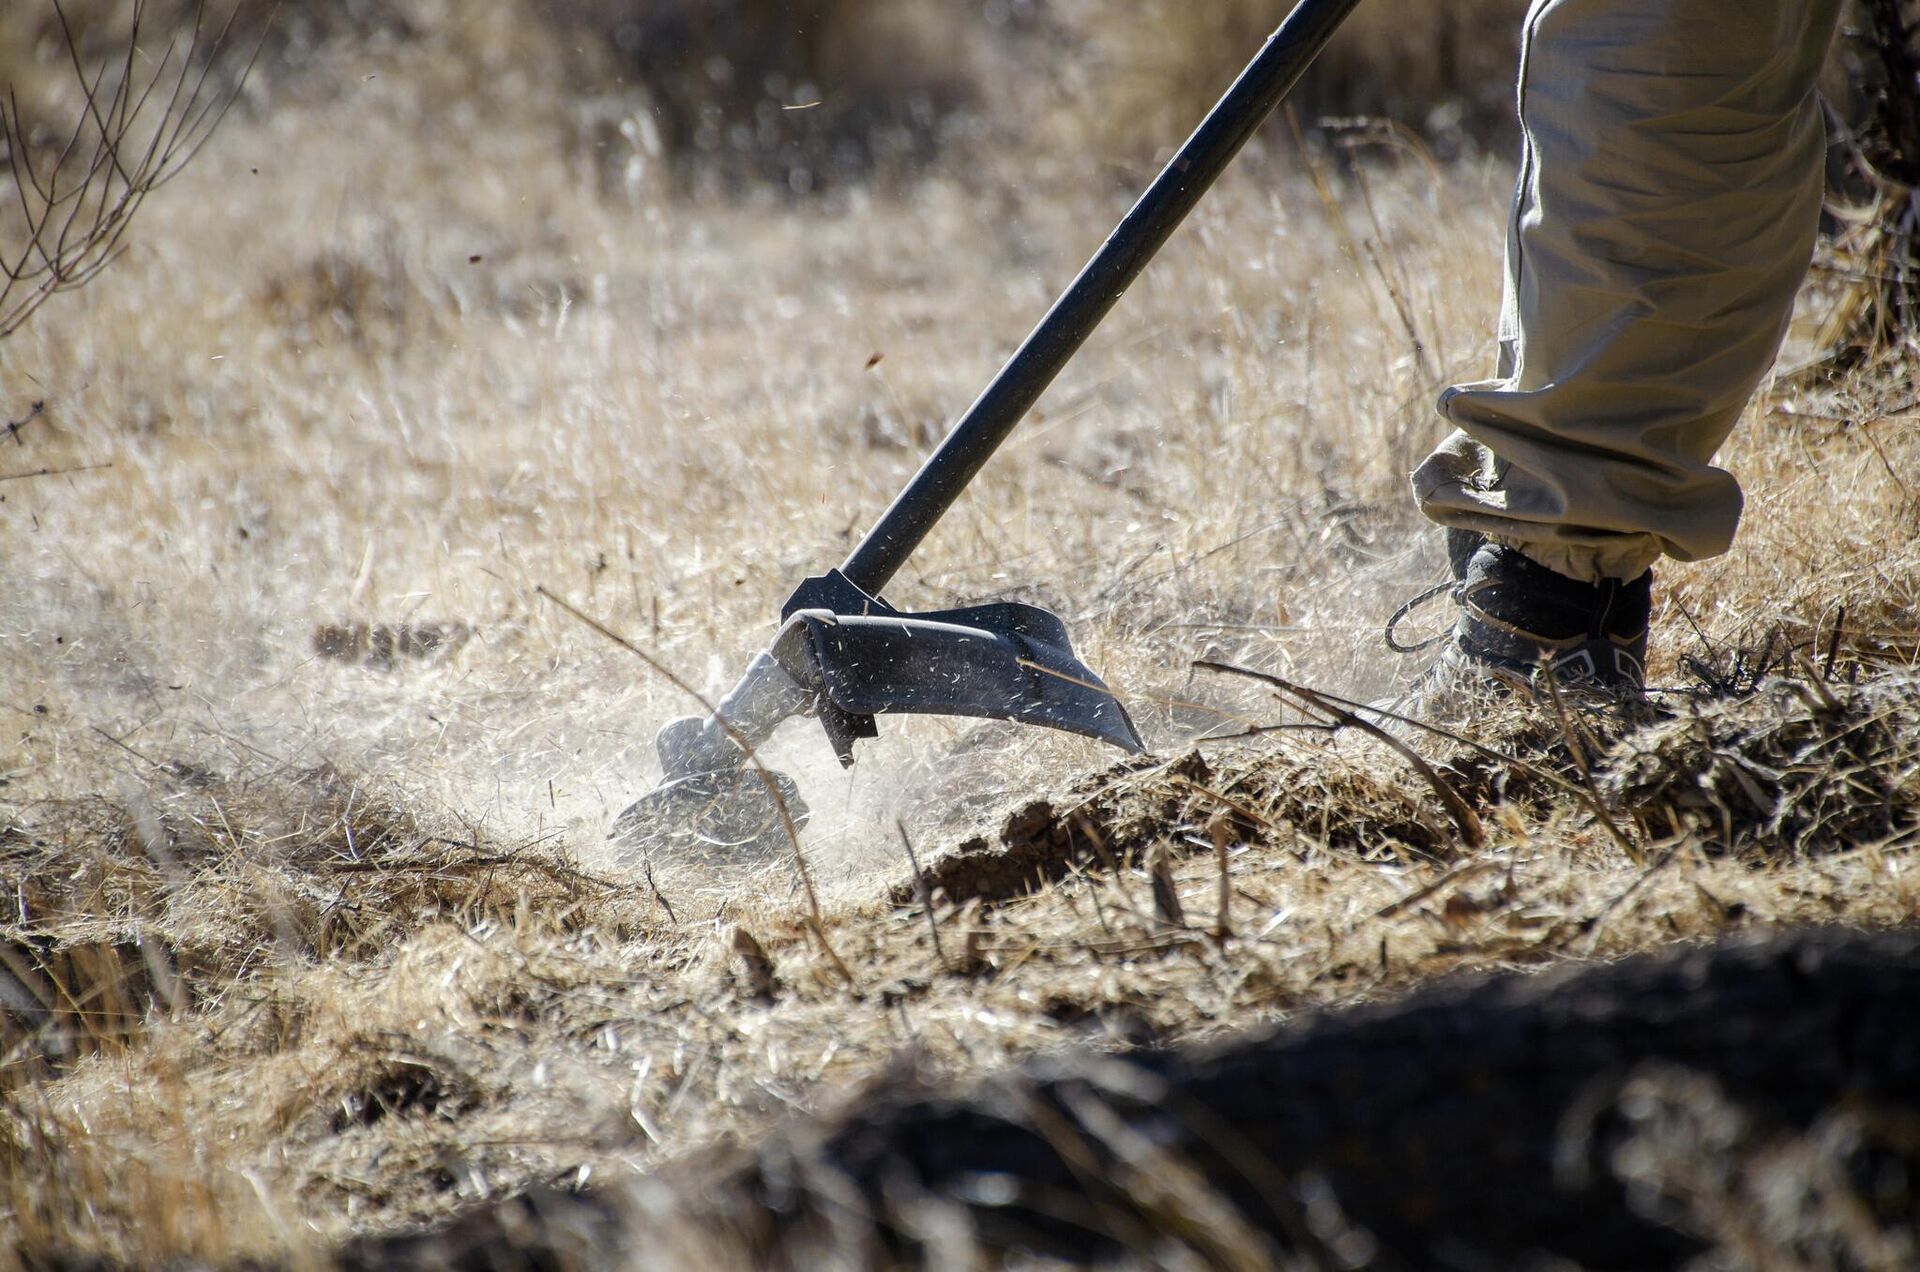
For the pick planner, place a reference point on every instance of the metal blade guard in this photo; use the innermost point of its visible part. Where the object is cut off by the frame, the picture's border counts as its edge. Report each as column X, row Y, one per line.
column 1004, row 661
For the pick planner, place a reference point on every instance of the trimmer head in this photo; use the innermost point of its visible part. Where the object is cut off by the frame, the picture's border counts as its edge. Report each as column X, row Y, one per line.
column 713, row 802
column 716, row 818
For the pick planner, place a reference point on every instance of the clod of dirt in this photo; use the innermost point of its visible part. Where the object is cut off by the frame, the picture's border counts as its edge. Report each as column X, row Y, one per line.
column 758, row 979
column 1111, row 818
column 402, row 1086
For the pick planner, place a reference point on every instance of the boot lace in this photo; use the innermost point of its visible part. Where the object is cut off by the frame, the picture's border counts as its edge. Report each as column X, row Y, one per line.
column 1390, row 632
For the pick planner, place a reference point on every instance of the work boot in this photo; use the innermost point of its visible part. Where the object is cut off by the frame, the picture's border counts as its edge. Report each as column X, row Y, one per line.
column 1519, row 621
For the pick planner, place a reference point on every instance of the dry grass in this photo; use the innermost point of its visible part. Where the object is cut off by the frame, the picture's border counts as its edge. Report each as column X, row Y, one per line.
column 386, row 360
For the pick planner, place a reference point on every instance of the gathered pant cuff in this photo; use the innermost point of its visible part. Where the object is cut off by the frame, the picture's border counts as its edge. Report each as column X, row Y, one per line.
column 1462, row 486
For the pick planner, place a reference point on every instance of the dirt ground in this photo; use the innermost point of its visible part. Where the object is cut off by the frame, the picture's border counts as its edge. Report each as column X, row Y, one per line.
column 310, row 929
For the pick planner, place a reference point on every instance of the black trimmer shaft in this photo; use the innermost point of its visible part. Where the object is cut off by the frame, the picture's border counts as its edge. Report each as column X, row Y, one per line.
column 708, row 798
column 1159, row 212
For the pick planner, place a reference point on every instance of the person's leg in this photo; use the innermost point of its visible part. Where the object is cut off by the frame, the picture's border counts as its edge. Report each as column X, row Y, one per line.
column 1664, row 220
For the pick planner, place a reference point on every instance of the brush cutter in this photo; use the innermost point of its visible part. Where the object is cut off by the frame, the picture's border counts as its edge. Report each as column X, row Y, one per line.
column 844, row 655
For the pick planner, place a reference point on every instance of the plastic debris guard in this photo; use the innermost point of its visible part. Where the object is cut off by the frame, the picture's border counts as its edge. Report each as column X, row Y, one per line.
column 1003, row 661
column 846, row 656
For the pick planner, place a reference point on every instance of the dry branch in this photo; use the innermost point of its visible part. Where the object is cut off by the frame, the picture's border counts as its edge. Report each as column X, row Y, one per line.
column 143, row 119
column 1464, row 818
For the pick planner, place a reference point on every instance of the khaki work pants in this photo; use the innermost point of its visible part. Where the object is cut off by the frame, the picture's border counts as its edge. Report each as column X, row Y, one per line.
column 1669, row 193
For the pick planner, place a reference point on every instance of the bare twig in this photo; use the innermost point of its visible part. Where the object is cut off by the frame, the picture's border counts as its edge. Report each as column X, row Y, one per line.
column 765, row 774
column 54, row 472
column 1084, row 824
column 1222, row 832
column 1166, row 892
column 15, row 427
column 1231, row 805
column 646, row 869
column 1599, row 920
column 1395, row 287
column 1577, row 747
column 920, row 888
column 818, row 927
column 144, row 119
column 143, row 758
column 1551, row 778
column 1470, row 870
column 1464, row 818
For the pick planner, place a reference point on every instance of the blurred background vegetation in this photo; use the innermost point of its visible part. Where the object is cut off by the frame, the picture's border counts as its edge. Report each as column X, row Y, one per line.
column 724, row 95
column 813, row 99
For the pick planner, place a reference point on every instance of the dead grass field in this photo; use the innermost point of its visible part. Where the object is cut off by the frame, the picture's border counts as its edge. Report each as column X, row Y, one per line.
column 309, row 922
